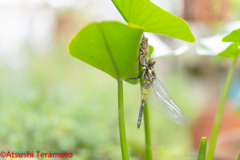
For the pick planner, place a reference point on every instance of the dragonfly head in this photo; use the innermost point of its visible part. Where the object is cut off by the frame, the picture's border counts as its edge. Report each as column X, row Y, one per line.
column 151, row 62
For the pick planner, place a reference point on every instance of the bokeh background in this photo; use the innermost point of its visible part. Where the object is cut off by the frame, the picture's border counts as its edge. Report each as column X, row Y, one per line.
column 52, row 102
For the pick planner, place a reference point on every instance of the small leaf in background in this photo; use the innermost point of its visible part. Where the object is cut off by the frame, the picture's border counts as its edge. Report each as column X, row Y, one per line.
column 238, row 156
column 154, row 19
column 112, row 47
column 214, row 46
column 202, row 149
column 233, row 50
column 161, row 49
column 234, row 36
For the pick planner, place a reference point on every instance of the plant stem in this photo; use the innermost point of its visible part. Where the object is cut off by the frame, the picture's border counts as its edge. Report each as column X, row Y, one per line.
column 148, row 148
column 220, row 111
column 202, row 149
column 122, row 131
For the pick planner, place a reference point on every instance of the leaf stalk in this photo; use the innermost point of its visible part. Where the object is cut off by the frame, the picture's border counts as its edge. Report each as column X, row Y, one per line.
column 218, row 118
column 123, row 139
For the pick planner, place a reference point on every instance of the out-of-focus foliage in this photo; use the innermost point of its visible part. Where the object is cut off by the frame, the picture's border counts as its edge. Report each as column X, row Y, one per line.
column 232, row 51
column 215, row 46
column 202, row 149
column 234, row 36
column 154, row 19
column 112, row 47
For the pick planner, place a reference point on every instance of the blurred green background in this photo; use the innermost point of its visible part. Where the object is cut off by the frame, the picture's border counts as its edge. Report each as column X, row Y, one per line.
column 52, row 102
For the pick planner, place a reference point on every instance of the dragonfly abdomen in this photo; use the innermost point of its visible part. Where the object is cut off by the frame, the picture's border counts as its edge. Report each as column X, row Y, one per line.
column 145, row 89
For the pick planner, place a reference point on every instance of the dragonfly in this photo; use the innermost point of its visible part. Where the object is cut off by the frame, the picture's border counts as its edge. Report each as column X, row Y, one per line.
column 156, row 96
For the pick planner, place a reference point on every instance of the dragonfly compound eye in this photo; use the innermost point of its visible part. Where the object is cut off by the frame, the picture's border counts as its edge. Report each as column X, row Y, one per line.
column 151, row 62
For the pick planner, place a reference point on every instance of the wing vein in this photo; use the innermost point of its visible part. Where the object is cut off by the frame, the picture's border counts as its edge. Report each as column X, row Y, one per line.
column 159, row 99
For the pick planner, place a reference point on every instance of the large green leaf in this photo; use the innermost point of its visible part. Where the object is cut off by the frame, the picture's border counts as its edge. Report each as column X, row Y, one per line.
column 234, row 36
column 232, row 51
column 202, row 149
column 112, row 47
column 154, row 19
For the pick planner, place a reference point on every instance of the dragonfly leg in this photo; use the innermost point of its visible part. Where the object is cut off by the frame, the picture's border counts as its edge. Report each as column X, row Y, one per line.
column 139, row 75
column 143, row 65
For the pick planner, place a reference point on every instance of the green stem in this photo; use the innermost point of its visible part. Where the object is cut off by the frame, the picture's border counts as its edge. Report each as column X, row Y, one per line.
column 122, row 131
column 148, row 148
column 220, row 111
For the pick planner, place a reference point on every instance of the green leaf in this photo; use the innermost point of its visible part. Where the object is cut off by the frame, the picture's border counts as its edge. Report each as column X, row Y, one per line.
column 232, row 51
column 238, row 156
column 234, row 36
column 202, row 149
column 154, row 19
column 112, row 47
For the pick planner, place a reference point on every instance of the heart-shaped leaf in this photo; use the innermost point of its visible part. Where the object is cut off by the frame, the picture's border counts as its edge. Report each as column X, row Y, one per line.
column 112, row 47
column 202, row 149
column 234, row 36
column 154, row 19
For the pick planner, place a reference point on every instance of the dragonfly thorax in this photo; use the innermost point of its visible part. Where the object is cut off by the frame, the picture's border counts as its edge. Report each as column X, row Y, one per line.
column 149, row 73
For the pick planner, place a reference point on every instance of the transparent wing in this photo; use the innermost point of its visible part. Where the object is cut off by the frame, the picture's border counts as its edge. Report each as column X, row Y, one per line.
column 159, row 99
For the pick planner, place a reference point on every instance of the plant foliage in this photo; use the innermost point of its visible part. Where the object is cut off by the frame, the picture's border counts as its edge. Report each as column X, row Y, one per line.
column 234, row 36
column 112, row 47
column 154, row 19
column 202, row 149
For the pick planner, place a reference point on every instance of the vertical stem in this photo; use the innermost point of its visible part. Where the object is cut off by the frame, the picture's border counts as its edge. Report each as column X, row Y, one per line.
column 122, row 131
column 148, row 148
column 202, row 149
column 220, row 111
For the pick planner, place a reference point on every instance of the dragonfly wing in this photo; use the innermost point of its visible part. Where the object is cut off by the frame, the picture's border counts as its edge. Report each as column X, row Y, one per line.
column 159, row 99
